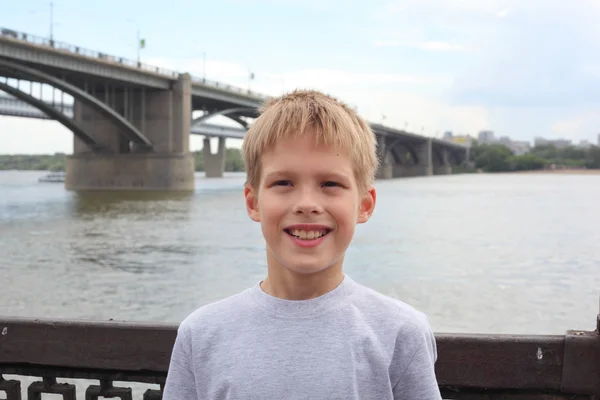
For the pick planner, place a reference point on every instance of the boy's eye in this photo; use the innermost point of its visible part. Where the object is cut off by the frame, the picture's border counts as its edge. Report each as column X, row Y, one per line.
column 330, row 184
column 282, row 183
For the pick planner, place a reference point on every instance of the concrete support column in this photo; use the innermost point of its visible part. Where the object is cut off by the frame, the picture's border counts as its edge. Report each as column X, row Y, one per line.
column 97, row 125
column 182, row 114
column 385, row 170
column 214, row 164
column 164, row 117
column 425, row 165
column 130, row 172
column 444, row 167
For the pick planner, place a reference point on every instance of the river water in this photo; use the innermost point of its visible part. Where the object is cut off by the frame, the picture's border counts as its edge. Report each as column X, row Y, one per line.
column 477, row 253
column 512, row 253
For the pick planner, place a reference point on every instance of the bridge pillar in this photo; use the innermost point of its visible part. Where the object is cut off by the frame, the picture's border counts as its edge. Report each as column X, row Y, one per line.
column 385, row 170
column 443, row 167
column 163, row 116
column 214, row 164
column 423, row 166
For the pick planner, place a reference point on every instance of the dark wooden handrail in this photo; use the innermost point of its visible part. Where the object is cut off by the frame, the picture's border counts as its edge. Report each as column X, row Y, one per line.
column 469, row 366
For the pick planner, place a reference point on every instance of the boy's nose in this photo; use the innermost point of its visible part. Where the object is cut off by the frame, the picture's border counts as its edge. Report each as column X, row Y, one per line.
column 307, row 204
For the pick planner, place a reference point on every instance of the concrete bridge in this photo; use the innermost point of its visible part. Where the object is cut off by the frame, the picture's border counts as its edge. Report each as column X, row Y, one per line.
column 131, row 122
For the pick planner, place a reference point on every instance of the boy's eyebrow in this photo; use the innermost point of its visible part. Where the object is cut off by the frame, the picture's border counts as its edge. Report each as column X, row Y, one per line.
column 336, row 176
column 328, row 175
column 278, row 173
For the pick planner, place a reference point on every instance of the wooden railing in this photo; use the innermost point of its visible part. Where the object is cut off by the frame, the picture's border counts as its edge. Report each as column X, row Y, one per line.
column 469, row 366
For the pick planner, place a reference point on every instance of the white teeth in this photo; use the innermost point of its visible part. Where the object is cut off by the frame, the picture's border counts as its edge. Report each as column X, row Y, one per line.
column 307, row 235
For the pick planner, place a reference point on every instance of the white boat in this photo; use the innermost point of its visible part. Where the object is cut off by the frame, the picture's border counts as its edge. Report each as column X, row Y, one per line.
column 53, row 177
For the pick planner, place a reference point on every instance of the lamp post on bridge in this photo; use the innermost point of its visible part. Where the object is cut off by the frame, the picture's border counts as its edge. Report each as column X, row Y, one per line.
column 51, row 21
column 251, row 77
column 141, row 43
column 52, row 24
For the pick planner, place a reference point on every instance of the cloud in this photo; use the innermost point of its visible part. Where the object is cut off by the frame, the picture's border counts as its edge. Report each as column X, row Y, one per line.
column 532, row 66
column 417, row 112
column 386, row 43
column 274, row 82
column 543, row 56
column 374, row 94
column 331, row 77
column 33, row 136
column 200, row 67
column 467, row 11
column 578, row 125
column 503, row 13
column 319, row 5
column 440, row 46
column 430, row 45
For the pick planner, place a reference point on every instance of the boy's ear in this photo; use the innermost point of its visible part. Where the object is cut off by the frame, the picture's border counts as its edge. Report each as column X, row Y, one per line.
column 367, row 205
column 252, row 202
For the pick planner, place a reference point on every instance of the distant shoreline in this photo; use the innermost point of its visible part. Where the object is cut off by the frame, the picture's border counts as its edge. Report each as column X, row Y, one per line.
column 572, row 171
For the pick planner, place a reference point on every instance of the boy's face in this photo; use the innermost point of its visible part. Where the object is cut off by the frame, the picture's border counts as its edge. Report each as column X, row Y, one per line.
column 308, row 205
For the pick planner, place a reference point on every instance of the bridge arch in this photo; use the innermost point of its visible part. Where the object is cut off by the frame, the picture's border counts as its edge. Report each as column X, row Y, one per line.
column 129, row 131
column 446, row 156
column 231, row 113
column 396, row 146
column 53, row 113
column 437, row 155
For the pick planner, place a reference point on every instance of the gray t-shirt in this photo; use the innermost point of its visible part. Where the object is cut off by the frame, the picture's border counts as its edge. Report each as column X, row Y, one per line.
column 350, row 343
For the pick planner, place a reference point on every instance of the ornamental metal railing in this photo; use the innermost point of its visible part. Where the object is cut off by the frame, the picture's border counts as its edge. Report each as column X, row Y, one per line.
column 54, row 355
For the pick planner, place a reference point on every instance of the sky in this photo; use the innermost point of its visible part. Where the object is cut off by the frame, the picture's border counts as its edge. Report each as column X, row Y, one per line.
column 520, row 68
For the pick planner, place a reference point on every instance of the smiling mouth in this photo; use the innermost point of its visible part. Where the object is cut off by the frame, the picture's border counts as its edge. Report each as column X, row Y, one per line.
column 307, row 235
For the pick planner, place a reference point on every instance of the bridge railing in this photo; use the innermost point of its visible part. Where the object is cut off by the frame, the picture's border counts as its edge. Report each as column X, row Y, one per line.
column 58, row 355
column 47, row 42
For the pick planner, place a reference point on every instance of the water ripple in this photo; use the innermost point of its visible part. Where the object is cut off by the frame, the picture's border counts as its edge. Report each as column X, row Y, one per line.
column 477, row 253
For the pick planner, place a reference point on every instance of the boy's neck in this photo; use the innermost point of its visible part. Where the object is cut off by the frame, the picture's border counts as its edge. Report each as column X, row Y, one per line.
column 285, row 284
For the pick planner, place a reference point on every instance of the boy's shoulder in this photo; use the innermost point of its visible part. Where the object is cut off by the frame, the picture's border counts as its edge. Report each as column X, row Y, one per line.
column 382, row 313
column 226, row 310
column 384, row 307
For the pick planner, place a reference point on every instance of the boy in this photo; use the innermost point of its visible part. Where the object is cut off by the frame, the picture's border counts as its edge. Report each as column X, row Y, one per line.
column 307, row 331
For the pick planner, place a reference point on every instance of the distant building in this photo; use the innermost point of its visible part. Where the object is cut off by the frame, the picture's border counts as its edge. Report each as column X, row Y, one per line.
column 462, row 139
column 584, row 144
column 517, row 147
column 599, row 139
column 520, row 147
column 485, row 136
column 558, row 143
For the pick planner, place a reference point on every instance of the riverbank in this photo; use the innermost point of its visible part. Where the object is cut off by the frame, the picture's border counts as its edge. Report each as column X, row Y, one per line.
column 568, row 171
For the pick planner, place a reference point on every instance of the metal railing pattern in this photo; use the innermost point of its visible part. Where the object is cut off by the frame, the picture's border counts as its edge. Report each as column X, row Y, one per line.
column 469, row 366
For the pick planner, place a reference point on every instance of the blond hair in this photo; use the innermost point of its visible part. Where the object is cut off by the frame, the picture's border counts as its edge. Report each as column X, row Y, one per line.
column 330, row 121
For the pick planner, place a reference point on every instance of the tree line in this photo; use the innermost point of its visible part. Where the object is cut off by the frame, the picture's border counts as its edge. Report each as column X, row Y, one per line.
column 499, row 158
column 487, row 157
column 57, row 162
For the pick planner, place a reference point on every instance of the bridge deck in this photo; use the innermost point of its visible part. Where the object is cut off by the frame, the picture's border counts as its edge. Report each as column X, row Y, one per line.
column 10, row 106
column 87, row 66
column 58, row 57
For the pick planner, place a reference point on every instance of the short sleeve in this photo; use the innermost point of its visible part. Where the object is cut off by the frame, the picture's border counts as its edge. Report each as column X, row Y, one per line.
column 414, row 362
column 180, row 383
